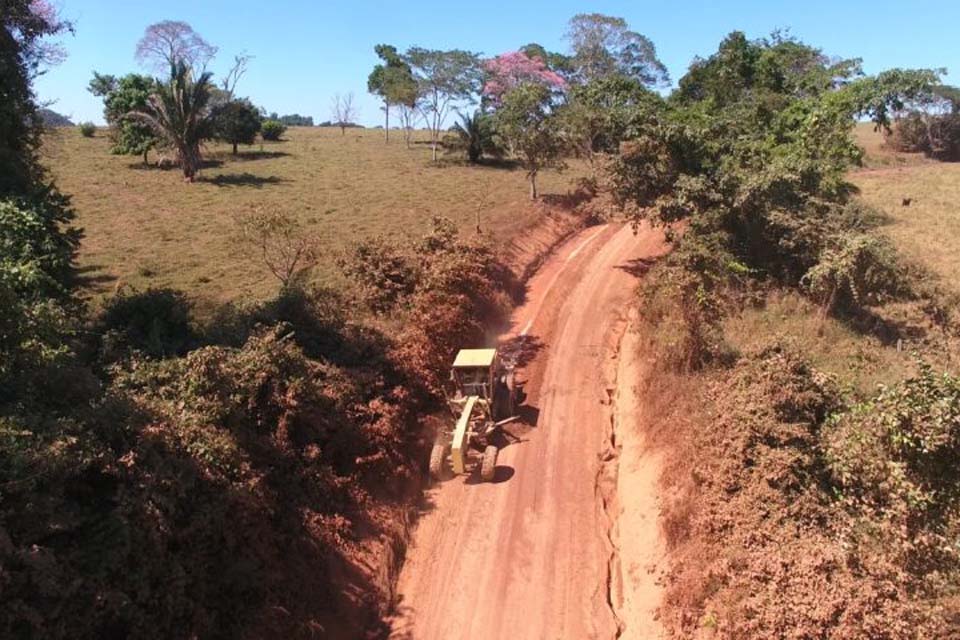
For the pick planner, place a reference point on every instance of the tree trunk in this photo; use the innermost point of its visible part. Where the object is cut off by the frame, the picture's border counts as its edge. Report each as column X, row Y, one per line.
column 533, row 185
column 343, row 130
column 145, row 152
column 234, row 148
column 386, row 127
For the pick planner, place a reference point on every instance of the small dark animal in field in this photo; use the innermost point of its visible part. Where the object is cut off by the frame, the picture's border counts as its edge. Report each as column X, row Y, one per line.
column 906, row 202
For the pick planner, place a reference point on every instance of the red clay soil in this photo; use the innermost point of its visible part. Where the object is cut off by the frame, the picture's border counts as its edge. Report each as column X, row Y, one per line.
column 536, row 553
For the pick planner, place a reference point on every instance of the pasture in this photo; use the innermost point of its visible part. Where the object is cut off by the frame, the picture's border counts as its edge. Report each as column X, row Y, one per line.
column 145, row 227
column 926, row 230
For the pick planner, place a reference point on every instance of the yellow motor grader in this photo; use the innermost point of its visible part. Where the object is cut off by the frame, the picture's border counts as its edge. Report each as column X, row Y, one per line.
column 483, row 400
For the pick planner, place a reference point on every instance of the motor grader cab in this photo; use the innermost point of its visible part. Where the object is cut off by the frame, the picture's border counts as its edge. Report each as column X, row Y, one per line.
column 482, row 399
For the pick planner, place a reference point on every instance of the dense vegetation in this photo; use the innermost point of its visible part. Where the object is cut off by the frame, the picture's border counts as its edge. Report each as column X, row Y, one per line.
column 808, row 501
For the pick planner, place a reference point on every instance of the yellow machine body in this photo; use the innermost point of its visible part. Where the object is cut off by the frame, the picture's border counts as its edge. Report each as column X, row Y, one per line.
column 461, row 436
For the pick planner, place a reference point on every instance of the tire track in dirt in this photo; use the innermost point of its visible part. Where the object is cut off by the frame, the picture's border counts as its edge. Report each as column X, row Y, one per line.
column 534, row 554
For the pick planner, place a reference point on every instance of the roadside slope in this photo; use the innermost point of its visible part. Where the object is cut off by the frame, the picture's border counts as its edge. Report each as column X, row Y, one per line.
column 533, row 554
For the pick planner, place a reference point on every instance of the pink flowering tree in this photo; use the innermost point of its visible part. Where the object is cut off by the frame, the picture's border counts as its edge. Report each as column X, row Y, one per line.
column 510, row 70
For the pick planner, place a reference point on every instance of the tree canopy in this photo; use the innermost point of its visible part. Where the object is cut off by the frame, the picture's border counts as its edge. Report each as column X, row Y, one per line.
column 121, row 97
column 167, row 43
column 604, row 45
column 236, row 122
column 392, row 80
column 444, row 78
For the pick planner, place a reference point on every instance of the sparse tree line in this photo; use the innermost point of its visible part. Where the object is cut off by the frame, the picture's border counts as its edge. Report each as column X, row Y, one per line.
column 930, row 125
column 176, row 113
column 531, row 104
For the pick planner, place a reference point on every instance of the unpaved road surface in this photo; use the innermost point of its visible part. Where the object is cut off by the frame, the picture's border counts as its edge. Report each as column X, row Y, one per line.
column 536, row 554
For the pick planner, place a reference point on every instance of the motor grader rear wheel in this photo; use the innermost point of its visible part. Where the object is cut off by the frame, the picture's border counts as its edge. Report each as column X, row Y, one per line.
column 438, row 461
column 489, row 465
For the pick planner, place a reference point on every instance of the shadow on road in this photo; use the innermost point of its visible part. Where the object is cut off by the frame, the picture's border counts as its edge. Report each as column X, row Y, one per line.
column 638, row 267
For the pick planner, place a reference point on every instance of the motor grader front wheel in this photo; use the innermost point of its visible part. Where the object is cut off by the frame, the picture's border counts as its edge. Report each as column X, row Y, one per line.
column 489, row 465
column 438, row 461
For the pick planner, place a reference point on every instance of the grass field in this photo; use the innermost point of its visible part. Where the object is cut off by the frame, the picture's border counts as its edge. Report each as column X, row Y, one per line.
column 145, row 227
column 928, row 230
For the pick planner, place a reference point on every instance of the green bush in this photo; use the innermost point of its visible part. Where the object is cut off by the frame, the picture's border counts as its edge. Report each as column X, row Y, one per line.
column 236, row 122
column 857, row 271
column 37, row 245
column 272, row 130
column 87, row 129
column 894, row 462
column 155, row 322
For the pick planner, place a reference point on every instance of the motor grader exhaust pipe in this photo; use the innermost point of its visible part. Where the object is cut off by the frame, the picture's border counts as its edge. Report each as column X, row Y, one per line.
column 461, row 437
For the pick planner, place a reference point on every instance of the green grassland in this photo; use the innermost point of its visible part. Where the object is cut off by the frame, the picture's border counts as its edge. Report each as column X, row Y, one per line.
column 145, row 227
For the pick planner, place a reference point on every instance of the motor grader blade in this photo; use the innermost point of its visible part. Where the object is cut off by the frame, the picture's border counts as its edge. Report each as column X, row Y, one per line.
column 461, row 437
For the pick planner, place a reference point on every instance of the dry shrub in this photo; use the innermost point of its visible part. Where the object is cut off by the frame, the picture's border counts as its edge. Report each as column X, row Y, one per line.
column 934, row 135
column 450, row 292
column 200, row 496
column 764, row 553
column 280, row 242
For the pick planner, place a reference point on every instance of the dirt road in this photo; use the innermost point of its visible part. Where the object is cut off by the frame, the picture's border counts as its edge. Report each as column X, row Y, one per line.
column 536, row 553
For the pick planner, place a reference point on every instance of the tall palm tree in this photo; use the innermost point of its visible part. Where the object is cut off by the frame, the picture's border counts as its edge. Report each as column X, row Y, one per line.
column 179, row 114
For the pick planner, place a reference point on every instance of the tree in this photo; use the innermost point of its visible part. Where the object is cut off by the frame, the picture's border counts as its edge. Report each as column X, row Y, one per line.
column 23, row 52
column 557, row 62
column 527, row 126
column 283, row 245
column 510, row 70
column 603, row 113
column 604, row 45
column 121, row 97
column 237, row 71
column 342, row 111
column 178, row 113
column 393, row 81
column 444, row 78
column 474, row 135
column 236, row 122
column 167, row 43
column 410, row 113
column 38, row 246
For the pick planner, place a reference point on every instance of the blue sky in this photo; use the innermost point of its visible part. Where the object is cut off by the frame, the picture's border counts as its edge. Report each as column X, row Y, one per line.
column 305, row 52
